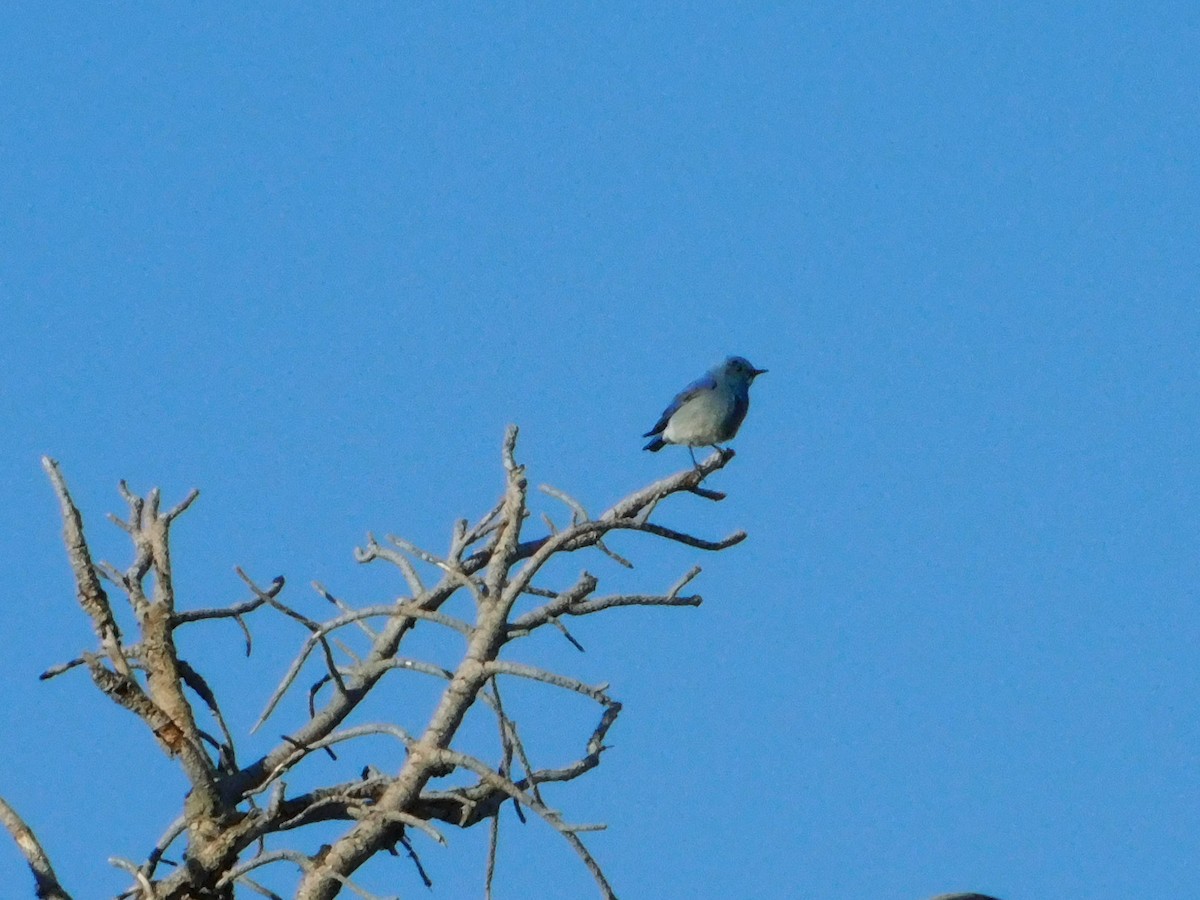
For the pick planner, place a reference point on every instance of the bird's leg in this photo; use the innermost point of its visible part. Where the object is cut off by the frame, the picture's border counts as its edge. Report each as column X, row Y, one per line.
column 692, row 453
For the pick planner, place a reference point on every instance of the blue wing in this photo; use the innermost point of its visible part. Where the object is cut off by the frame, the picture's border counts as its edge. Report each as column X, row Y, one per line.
column 705, row 382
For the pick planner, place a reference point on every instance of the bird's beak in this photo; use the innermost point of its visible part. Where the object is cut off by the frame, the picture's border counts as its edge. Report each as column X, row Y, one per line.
column 757, row 372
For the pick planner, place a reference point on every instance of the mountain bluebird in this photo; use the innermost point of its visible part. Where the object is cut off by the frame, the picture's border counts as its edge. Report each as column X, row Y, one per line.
column 707, row 411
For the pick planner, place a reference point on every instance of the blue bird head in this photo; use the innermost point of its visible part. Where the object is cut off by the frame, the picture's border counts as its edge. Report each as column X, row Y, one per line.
column 738, row 369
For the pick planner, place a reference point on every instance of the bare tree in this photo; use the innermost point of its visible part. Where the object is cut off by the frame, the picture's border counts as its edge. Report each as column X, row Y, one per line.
column 233, row 808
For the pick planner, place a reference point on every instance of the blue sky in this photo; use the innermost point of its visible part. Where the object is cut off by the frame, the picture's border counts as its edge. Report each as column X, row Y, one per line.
column 312, row 261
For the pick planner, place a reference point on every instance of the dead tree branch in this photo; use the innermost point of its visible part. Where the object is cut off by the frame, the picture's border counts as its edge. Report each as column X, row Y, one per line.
column 46, row 883
column 233, row 808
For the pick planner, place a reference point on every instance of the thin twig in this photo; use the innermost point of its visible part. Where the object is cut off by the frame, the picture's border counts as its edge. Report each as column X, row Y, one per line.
column 345, row 608
column 178, row 827
column 55, row 671
column 410, row 821
column 374, row 550
column 504, row 667
column 493, row 843
column 196, row 682
column 568, row 831
column 146, row 889
column 508, row 728
column 259, row 889
column 297, row 858
column 408, row 609
column 300, row 751
column 416, row 861
column 233, row 611
column 453, row 571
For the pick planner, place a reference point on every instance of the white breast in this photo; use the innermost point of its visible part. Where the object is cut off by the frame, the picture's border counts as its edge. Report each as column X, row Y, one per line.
column 699, row 422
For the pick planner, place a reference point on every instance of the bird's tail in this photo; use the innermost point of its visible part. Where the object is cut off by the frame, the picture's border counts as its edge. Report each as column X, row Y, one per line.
column 655, row 445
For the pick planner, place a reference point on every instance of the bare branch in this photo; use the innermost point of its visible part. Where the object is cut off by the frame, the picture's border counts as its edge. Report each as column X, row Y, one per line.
column 578, row 513
column 415, row 665
column 560, row 605
column 315, row 628
column 55, row 671
column 305, row 863
column 258, row 888
column 612, row 554
column 599, row 603
column 46, row 883
column 485, row 526
column 345, row 608
column 595, row 747
column 567, row 604
column 374, row 550
column 127, row 693
column 503, row 667
column 176, row 828
column 265, row 859
column 634, row 507
column 511, row 738
column 410, row 610
column 302, row 750
column 234, row 611
column 571, row 639
column 145, row 888
column 416, row 860
column 493, row 844
column 196, row 682
column 679, row 537
column 415, row 610
column 683, row 581
column 173, row 513
column 232, row 812
column 569, row 832
column 89, row 591
column 453, row 571
column 512, row 514
column 412, row 822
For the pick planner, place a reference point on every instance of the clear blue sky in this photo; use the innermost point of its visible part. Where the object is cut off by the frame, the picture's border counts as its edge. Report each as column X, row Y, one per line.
column 312, row 260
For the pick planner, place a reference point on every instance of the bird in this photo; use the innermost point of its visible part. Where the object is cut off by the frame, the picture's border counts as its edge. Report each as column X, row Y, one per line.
column 709, row 410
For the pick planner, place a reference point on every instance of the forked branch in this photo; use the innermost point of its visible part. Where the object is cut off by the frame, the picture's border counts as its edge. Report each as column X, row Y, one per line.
column 233, row 808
